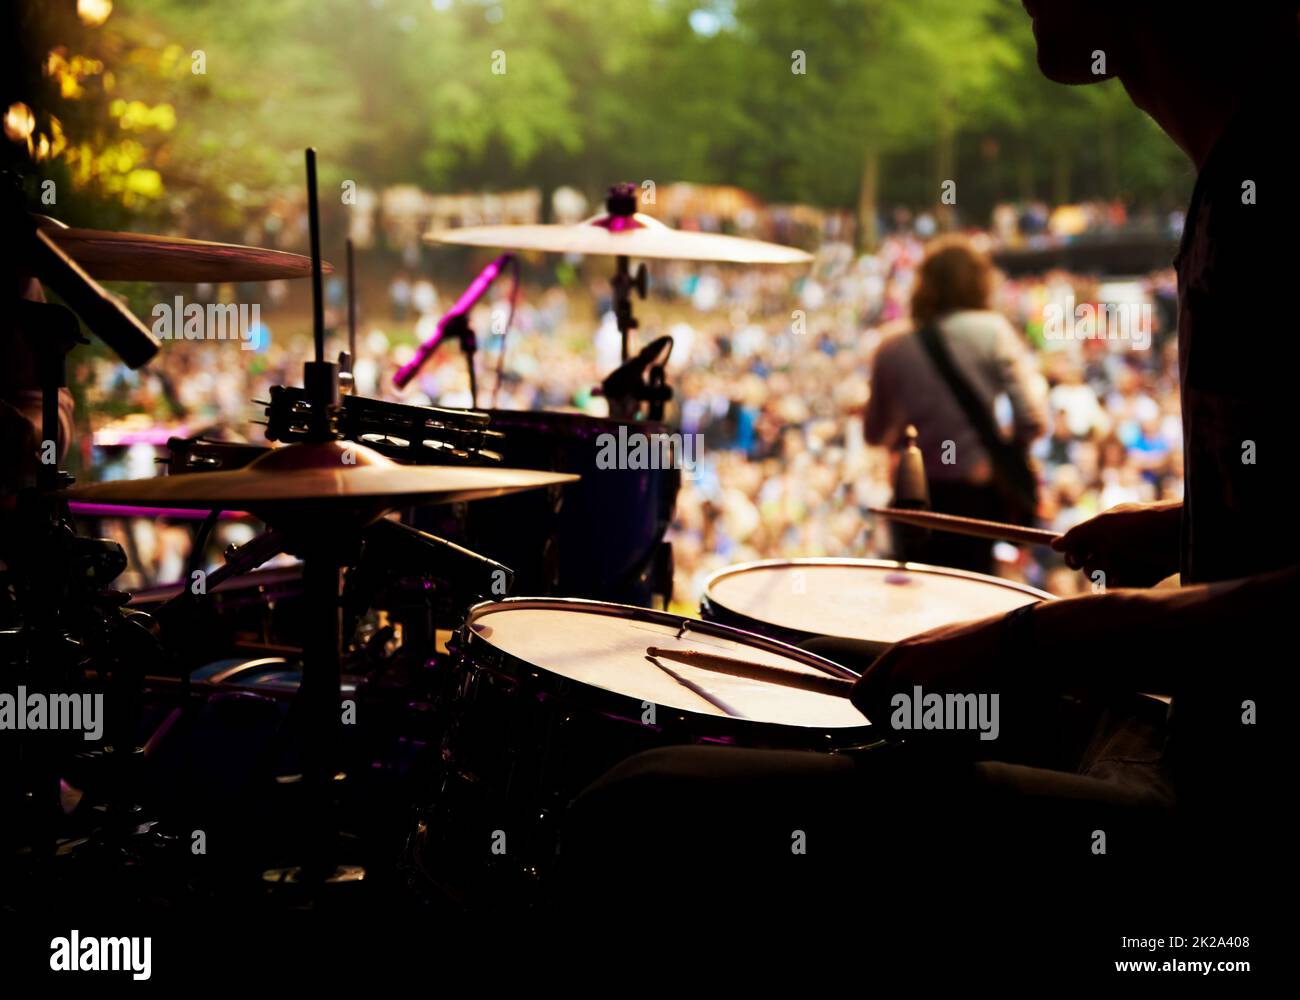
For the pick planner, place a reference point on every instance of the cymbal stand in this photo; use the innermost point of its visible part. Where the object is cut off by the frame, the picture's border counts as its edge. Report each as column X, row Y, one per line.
column 325, row 548
column 621, row 206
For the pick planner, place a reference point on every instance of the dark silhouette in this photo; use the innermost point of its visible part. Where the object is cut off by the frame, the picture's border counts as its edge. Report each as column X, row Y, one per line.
column 913, row 835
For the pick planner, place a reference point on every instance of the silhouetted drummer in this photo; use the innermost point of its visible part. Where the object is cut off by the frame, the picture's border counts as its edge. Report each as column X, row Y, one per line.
column 1178, row 807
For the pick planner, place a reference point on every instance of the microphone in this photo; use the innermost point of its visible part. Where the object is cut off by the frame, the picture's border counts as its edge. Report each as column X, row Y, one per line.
column 626, row 386
column 463, row 305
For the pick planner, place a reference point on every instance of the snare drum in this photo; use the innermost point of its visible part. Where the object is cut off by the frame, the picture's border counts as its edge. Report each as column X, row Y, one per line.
column 550, row 693
column 869, row 600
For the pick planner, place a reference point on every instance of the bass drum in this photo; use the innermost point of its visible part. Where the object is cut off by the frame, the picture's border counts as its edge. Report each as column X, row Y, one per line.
column 601, row 537
column 548, row 694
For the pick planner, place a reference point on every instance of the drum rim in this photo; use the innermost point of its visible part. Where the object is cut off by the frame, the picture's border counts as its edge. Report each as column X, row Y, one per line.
column 661, row 617
column 710, row 725
column 887, row 564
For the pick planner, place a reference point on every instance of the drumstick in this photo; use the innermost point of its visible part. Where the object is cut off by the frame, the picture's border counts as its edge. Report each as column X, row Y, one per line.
column 968, row 526
column 711, row 699
column 837, row 687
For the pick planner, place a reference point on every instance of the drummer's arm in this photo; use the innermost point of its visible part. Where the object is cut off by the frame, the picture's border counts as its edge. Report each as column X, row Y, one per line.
column 1160, row 641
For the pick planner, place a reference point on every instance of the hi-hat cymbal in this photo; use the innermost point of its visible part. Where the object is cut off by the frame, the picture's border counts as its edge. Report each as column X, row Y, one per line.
column 337, row 474
column 639, row 235
column 115, row 256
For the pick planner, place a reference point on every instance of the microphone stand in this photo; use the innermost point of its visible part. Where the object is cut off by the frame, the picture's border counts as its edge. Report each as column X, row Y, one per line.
column 458, row 327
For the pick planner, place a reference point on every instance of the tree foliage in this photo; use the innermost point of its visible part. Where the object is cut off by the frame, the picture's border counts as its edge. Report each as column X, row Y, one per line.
column 898, row 95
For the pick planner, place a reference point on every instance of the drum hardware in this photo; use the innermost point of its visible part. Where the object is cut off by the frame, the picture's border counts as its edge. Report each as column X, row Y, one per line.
column 323, row 524
column 321, row 493
column 406, row 432
column 62, row 333
column 200, row 454
column 403, row 549
column 256, row 613
column 395, row 570
column 407, row 583
column 325, row 511
column 240, row 561
column 620, row 205
column 640, row 380
column 624, row 283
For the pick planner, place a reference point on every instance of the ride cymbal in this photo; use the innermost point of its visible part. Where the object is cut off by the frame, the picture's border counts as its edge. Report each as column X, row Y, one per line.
column 637, row 235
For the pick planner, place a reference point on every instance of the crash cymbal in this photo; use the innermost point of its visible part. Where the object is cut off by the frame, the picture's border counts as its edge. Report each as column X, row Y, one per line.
column 115, row 256
column 638, row 235
column 337, row 474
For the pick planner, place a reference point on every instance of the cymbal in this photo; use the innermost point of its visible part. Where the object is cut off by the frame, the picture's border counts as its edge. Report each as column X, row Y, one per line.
column 338, row 474
column 639, row 235
column 118, row 256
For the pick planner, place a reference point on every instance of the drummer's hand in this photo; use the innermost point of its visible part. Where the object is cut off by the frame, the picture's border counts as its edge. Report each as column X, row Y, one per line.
column 1134, row 544
column 962, row 658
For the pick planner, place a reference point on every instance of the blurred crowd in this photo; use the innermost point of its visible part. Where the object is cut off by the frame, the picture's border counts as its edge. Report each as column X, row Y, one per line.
column 771, row 367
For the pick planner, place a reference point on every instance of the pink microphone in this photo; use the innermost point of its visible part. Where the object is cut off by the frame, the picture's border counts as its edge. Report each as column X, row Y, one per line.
column 463, row 305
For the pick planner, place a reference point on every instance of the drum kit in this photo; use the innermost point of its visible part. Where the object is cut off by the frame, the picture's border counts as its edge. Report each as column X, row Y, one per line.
column 412, row 525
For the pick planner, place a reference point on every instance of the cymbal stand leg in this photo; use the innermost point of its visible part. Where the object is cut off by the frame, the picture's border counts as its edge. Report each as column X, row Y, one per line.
column 320, row 692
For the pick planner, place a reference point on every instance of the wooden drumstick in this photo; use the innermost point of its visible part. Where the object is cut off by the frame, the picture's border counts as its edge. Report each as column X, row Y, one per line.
column 837, row 687
column 997, row 530
column 712, row 699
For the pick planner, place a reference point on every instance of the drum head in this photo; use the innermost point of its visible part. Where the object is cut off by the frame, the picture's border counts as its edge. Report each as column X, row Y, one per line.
column 861, row 598
column 604, row 646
